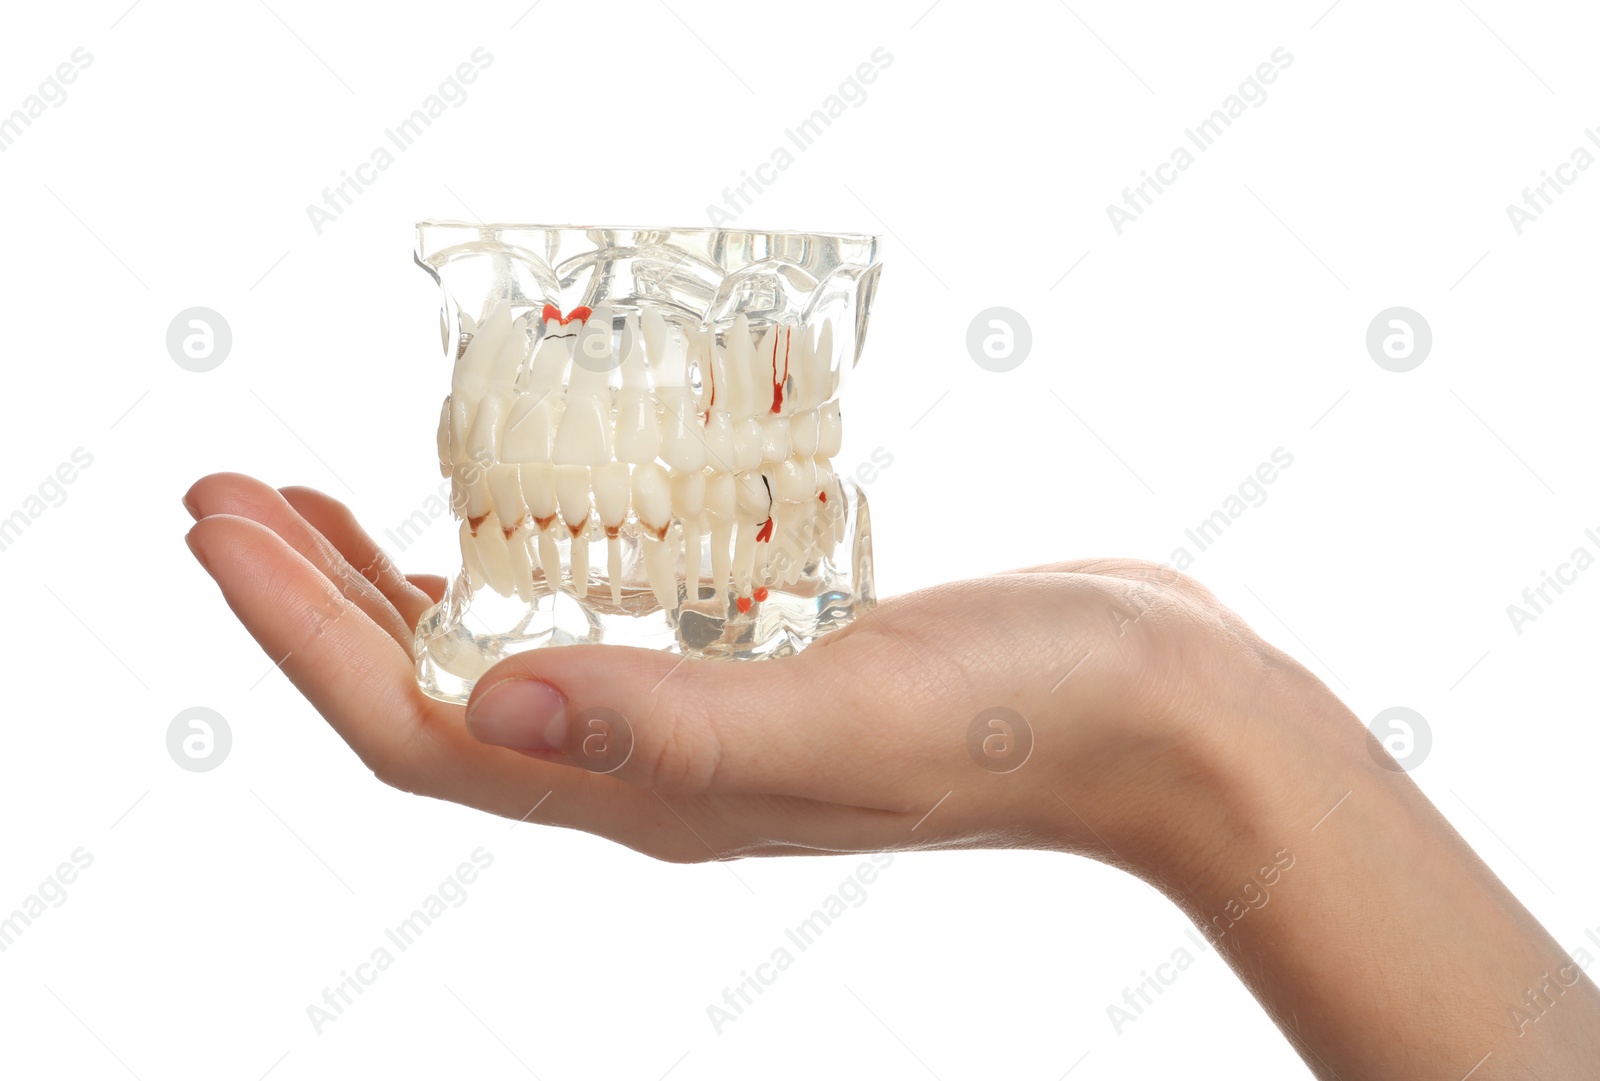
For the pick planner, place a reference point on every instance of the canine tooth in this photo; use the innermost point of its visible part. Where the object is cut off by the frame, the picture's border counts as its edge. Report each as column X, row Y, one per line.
column 444, row 438
column 721, row 508
column 584, row 434
column 746, row 444
column 774, row 439
column 658, row 560
column 513, row 351
column 689, row 505
column 652, row 502
column 611, row 486
column 654, row 329
column 830, row 431
column 754, row 514
column 572, row 494
column 470, row 492
column 803, row 433
column 476, row 366
column 483, row 444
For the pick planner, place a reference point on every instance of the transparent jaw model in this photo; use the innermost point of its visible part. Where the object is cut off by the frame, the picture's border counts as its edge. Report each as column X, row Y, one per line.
column 640, row 436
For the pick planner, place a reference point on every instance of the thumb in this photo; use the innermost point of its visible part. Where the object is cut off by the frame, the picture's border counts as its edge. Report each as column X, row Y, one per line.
column 783, row 726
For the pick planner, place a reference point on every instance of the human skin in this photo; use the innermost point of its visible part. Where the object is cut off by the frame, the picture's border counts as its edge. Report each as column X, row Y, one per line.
column 1167, row 739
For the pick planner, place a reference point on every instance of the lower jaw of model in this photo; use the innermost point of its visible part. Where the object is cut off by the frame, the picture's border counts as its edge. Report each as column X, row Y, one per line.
column 621, row 480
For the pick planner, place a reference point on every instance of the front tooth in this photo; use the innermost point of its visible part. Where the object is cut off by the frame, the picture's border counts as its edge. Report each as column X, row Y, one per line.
column 652, row 502
column 572, row 493
column 721, row 504
column 549, row 365
column 593, row 358
column 689, row 504
column 746, row 444
column 505, row 491
column 530, row 428
column 744, row 393
column 584, row 435
column 444, row 438
column 774, row 439
column 611, row 486
column 470, row 491
column 830, row 431
column 638, row 430
column 492, row 553
column 683, row 444
column 803, row 433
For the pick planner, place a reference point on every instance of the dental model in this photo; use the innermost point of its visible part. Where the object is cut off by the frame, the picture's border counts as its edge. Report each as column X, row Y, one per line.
column 654, row 465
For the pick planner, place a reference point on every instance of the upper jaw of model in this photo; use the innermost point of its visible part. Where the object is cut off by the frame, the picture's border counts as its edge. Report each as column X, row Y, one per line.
column 684, row 440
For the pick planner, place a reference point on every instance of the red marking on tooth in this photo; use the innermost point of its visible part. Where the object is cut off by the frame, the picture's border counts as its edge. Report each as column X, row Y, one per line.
column 612, row 531
column 765, row 532
column 822, row 496
column 580, row 313
column 760, row 593
column 544, row 523
column 743, row 604
column 474, row 523
column 552, row 312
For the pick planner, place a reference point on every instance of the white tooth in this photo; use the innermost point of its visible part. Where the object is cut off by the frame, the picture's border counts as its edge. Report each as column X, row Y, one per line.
column 658, row 560
column 461, row 412
column 781, row 353
column 505, row 491
column 689, row 504
column 803, row 433
column 572, row 494
column 549, row 365
column 789, row 541
column 683, row 442
column 611, row 486
column 822, row 365
column 795, row 480
column 746, row 444
column 719, row 441
column 830, row 431
column 483, row 444
column 721, row 503
column 471, row 482
column 800, row 370
column 718, row 387
column 444, row 438
column 530, row 428
column 521, row 563
column 833, row 515
column 774, row 439
column 638, row 429
column 513, row 351
column 594, row 357
column 699, row 367
column 654, row 329
column 652, row 498
column 754, row 513
column 539, row 493
column 495, row 559
column 584, row 435
column 476, row 366
column 743, row 371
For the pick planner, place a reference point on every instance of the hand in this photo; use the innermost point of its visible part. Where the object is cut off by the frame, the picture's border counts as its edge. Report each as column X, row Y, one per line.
column 860, row 743
column 1166, row 737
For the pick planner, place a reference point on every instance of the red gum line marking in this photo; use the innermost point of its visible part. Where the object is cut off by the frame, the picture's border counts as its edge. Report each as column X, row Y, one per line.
column 474, row 523
column 822, row 496
column 743, row 604
column 760, row 593
column 580, row 313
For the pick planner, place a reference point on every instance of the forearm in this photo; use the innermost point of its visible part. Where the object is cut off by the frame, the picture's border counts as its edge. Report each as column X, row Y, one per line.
column 1378, row 941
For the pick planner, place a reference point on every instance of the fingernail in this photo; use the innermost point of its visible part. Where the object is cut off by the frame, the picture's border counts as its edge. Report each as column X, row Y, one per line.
column 188, row 538
column 188, row 505
column 524, row 714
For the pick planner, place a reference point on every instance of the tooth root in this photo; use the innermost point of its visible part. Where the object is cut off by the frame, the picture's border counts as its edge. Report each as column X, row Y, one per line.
column 792, row 539
column 529, row 430
column 822, row 365
column 594, row 356
column 830, row 430
column 614, row 568
column 444, row 438
column 470, row 561
column 688, row 505
column 721, row 504
column 611, row 486
column 699, row 364
column 654, row 329
column 774, row 439
column 572, row 494
column 550, row 558
column 658, row 568
column 513, row 351
column 744, row 557
column 742, row 367
column 803, row 364
column 549, row 364
column 476, row 366
column 521, row 563
column 754, row 526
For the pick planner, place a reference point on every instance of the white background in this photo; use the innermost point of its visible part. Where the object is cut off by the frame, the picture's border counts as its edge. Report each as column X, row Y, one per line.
column 1227, row 321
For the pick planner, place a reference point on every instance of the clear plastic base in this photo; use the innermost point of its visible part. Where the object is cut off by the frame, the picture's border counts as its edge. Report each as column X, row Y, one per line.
column 474, row 628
